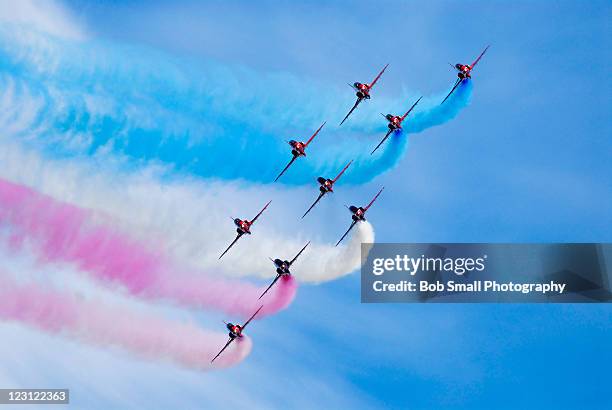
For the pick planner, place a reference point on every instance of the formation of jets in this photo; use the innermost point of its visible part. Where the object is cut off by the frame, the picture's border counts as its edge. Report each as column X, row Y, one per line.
column 326, row 185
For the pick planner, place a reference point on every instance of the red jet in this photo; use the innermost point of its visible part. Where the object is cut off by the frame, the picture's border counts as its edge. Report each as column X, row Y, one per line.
column 282, row 268
column 243, row 227
column 327, row 185
column 358, row 215
column 464, row 72
column 395, row 123
column 363, row 92
column 298, row 149
column 235, row 331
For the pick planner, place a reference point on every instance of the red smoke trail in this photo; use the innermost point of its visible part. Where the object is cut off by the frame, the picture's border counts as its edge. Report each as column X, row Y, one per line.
column 105, row 325
column 68, row 234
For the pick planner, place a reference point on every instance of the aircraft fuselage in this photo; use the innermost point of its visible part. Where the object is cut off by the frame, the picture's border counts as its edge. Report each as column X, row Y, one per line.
column 395, row 121
column 363, row 90
column 234, row 330
column 327, row 185
column 358, row 213
column 299, row 148
column 463, row 71
column 282, row 267
column 244, row 226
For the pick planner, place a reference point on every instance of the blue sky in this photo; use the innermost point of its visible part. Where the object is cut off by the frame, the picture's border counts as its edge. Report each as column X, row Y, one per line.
column 527, row 161
column 532, row 151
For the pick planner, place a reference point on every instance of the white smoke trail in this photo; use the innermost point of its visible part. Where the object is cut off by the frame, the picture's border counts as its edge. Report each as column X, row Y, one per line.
column 189, row 219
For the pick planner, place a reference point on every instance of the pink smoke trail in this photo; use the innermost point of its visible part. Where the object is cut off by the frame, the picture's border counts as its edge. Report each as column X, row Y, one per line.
column 68, row 234
column 93, row 322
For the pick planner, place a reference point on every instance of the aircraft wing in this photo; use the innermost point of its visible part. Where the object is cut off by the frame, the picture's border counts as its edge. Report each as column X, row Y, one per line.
column 383, row 140
column 453, row 90
column 378, row 76
column 224, row 347
column 261, row 212
column 231, row 244
column 313, row 204
column 352, row 109
column 479, row 57
column 342, row 172
column 411, row 108
column 251, row 318
column 299, row 253
column 347, row 231
column 372, row 201
column 314, row 135
column 271, row 284
column 286, row 168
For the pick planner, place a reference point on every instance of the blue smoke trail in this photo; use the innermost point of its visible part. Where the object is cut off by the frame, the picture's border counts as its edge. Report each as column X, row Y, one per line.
column 201, row 118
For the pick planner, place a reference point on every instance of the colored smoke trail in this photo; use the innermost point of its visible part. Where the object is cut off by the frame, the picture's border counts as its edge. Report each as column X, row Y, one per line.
column 190, row 218
column 200, row 118
column 238, row 301
column 64, row 233
column 104, row 325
